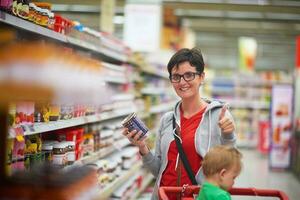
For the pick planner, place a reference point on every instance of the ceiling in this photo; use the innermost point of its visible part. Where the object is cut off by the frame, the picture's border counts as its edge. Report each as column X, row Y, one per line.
column 218, row 24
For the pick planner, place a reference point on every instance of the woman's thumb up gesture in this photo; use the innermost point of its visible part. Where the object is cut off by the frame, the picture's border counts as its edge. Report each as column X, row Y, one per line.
column 226, row 124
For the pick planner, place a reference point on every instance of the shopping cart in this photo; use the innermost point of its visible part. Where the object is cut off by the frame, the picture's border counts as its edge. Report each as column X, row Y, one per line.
column 189, row 192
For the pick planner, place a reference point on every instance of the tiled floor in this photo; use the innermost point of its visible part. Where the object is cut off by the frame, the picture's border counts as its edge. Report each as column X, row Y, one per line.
column 256, row 174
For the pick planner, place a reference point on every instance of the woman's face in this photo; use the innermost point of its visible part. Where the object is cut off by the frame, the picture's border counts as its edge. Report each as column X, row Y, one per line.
column 188, row 88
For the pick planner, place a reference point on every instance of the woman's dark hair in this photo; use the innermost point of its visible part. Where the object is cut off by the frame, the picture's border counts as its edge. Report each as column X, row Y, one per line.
column 193, row 56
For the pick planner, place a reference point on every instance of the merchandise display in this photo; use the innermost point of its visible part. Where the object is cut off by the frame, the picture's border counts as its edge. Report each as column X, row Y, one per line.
column 75, row 126
column 295, row 144
column 249, row 99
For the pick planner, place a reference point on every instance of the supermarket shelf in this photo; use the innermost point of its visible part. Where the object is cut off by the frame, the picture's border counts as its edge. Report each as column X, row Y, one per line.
column 249, row 104
column 102, row 153
column 111, row 79
column 147, row 180
column 162, row 107
column 248, row 81
column 97, row 155
column 143, row 115
column 161, row 74
column 51, row 126
column 29, row 26
column 109, row 189
column 98, row 49
column 34, row 28
column 222, row 90
column 155, row 91
column 251, row 144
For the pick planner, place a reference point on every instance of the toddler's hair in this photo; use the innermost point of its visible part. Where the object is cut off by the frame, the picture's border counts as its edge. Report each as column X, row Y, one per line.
column 221, row 157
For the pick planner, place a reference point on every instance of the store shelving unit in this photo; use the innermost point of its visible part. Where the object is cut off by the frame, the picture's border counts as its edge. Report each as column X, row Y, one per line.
column 106, row 192
column 103, row 51
column 102, row 153
column 164, row 107
column 153, row 72
column 31, row 27
column 22, row 24
column 147, row 179
column 23, row 27
column 61, row 124
column 248, row 97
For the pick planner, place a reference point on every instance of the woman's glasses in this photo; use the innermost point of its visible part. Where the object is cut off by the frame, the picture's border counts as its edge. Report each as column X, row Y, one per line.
column 187, row 76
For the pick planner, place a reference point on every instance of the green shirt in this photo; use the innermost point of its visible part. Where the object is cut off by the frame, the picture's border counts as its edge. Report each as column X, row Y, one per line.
column 211, row 192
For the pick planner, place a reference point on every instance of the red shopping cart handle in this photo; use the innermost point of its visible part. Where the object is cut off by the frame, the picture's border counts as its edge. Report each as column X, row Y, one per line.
column 190, row 190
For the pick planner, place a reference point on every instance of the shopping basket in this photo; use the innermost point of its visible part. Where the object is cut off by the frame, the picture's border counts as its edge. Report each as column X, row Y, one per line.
column 188, row 192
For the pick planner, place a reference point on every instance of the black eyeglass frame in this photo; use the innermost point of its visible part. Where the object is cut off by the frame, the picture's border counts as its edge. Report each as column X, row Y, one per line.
column 182, row 76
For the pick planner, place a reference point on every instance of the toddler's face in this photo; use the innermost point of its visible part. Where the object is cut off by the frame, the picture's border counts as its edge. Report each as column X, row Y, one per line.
column 228, row 177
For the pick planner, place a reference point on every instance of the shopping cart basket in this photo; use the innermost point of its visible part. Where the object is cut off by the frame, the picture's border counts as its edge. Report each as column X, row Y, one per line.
column 188, row 192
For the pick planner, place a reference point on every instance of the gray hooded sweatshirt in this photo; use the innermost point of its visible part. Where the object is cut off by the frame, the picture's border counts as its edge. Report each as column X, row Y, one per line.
column 207, row 135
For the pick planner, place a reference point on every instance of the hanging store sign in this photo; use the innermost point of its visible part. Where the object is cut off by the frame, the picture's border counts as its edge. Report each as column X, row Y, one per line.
column 281, row 126
column 263, row 137
column 142, row 26
column 298, row 52
column 247, row 51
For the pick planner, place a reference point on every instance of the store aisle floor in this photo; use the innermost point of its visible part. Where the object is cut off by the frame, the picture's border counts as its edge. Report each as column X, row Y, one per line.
column 256, row 173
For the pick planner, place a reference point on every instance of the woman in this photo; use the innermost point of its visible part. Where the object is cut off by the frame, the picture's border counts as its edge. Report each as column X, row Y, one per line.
column 202, row 123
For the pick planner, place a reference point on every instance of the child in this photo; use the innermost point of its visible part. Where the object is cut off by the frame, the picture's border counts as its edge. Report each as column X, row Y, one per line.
column 221, row 165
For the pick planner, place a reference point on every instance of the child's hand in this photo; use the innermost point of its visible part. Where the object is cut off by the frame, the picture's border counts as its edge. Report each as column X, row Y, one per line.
column 226, row 124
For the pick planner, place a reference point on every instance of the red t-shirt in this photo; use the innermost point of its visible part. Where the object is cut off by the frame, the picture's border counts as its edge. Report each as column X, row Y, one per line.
column 188, row 129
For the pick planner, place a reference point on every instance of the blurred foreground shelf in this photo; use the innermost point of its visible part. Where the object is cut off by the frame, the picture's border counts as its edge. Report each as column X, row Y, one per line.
column 147, row 179
column 106, row 192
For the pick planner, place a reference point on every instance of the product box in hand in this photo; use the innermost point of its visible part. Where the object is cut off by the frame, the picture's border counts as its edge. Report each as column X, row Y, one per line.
column 132, row 122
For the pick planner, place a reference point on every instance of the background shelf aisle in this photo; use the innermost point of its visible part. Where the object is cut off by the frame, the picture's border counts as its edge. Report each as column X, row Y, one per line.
column 248, row 97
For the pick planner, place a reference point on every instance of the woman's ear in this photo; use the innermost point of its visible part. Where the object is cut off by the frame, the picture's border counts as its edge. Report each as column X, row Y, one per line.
column 203, row 76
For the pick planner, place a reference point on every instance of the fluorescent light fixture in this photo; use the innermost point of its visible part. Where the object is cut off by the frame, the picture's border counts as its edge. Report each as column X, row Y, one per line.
column 75, row 8
column 283, row 16
column 194, row 1
column 286, row 3
column 248, row 2
column 239, row 14
column 199, row 13
column 119, row 19
column 82, row 8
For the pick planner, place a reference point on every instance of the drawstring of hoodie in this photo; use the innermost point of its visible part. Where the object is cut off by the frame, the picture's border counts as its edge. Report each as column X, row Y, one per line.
column 209, row 131
column 177, row 158
column 209, row 137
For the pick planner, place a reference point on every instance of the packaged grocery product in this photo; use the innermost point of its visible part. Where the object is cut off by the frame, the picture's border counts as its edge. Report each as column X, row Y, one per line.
column 132, row 122
column 47, row 148
column 71, row 157
column 59, row 153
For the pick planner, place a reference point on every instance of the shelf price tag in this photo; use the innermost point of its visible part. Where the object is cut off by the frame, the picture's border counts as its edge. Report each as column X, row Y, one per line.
column 31, row 128
column 19, row 131
column 86, row 119
column 2, row 15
